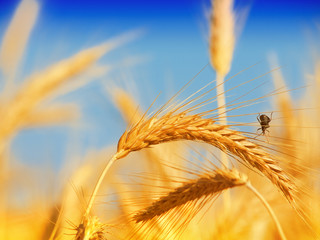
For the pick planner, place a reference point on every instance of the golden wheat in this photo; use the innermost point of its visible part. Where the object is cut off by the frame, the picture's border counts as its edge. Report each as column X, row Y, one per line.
column 91, row 229
column 221, row 46
column 207, row 184
column 16, row 38
column 183, row 127
column 173, row 126
column 129, row 110
column 25, row 215
column 21, row 106
column 53, row 115
column 222, row 36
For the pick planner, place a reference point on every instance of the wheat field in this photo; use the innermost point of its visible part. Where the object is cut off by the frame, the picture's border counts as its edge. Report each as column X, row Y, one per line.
column 234, row 156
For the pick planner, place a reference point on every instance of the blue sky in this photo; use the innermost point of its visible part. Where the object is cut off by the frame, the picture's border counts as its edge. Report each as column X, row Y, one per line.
column 173, row 49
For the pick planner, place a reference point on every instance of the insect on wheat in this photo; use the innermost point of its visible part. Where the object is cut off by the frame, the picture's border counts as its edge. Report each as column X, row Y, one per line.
column 264, row 121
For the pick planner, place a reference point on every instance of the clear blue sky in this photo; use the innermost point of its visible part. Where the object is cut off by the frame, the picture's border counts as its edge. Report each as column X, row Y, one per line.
column 174, row 47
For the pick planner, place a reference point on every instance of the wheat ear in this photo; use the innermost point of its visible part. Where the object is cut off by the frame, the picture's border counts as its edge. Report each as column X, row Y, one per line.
column 174, row 127
column 41, row 85
column 221, row 46
column 210, row 183
column 16, row 38
column 91, row 228
column 222, row 36
column 193, row 127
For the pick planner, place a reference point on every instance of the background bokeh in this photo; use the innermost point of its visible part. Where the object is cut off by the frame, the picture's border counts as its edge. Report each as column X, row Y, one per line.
column 171, row 50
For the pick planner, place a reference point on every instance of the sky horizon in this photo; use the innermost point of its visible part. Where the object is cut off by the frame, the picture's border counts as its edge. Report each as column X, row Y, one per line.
column 173, row 48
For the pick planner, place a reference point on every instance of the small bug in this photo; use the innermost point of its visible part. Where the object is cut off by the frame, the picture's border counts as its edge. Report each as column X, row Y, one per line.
column 264, row 123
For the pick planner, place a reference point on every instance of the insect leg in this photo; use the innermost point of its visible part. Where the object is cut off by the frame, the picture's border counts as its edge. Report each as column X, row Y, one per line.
column 258, row 134
column 258, row 118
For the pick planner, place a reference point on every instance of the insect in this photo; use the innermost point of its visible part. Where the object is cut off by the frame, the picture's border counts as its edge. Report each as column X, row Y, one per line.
column 264, row 123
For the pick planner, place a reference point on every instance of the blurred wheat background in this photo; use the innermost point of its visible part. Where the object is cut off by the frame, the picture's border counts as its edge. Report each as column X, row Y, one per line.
column 86, row 151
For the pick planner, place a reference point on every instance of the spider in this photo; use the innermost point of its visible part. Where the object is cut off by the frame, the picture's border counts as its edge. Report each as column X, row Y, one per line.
column 264, row 123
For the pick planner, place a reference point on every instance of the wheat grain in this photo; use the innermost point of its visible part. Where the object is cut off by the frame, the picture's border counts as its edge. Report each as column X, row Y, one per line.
column 221, row 46
column 129, row 110
column 221, row 37
column 208, row 184
column 193, row 127
column 91, row 229
column 172, row 125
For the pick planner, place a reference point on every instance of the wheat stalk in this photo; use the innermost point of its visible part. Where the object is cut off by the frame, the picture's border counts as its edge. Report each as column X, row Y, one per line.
column 267, row 206
column 221, row 46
